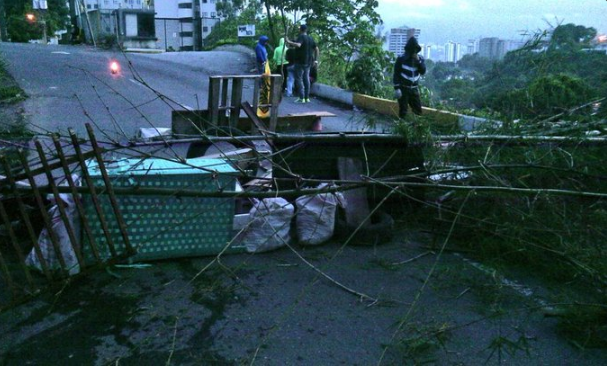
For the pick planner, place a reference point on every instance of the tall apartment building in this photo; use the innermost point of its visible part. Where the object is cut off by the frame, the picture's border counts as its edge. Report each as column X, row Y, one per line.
column 491, row 48
column 472, row 47
column 494, row 48
column 453, row 51
column 182, row 25
column 209, row 17
column 398, row 37
column 426, row 51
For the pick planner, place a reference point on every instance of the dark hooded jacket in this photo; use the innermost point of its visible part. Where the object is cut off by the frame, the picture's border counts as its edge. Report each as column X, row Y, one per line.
column 261, row 54
column 407, row 69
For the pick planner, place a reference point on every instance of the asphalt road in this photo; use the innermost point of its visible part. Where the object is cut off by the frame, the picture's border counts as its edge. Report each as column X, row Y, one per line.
column 69, row 86
column 275, row 309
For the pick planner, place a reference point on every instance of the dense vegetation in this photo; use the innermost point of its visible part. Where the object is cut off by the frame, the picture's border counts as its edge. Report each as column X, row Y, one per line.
column 9, row 90
column 554, row 72
column 351, row 53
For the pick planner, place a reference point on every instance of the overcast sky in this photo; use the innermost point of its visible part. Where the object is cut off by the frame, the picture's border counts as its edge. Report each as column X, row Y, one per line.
column 459, row 20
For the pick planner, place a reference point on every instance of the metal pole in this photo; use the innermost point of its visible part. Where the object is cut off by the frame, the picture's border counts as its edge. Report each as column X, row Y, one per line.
column 88, row 22
column 44, row 35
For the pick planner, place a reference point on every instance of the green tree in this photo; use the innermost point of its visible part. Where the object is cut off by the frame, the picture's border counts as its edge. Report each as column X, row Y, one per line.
column 572, row 36
column 443, row 71
column 551, row 73
column 552, row 94
column 341, row 28
column 368, row 72
column 21, row 29
column 457, row 92
column 475, row 62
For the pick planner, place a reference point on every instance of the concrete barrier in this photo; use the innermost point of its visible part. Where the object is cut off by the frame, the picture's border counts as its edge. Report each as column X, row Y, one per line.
column 333, row 93
column 378, row 105
column 444, row 121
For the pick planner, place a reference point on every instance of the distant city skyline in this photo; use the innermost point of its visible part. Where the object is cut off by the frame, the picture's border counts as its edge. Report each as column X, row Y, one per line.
column 441, row 21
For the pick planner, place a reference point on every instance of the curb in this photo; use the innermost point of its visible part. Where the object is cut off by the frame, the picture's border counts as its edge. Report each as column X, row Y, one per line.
column 143, row 50
column 389, row 108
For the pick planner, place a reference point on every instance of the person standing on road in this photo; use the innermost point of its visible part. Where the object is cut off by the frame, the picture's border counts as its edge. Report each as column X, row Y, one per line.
column 306, row 55
column 280, row 60
column 290, row 56
column 261, row 54
column 407, row 71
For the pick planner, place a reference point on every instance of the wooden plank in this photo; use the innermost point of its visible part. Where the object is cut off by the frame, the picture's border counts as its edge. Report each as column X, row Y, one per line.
column 214, row 85
column 312, row 114
column 74, row 241
column 241, row 157
column 43, row 209
column 258, row 125
column 110, row 191
column 6, row 273
column 235, row 101
column 93, row 191
column 83, row 219
column 26, row 220
column 256, row 88
column 224, row 101
column 275, row 95
column 19, row 251
column 243, row 77
column 240, row 153
column 357, row 205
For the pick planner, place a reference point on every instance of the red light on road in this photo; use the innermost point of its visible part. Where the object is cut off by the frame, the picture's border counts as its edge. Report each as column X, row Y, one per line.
column 114, row 67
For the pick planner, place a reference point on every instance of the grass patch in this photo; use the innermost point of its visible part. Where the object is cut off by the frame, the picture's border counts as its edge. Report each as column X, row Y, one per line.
column 585, row 327
column 10, row 92
column 421, row 341
column 557, row 238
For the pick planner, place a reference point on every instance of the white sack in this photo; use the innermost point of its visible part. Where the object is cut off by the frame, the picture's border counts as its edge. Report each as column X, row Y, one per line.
column 269, row 225
column 315, row 220
column 58, row 226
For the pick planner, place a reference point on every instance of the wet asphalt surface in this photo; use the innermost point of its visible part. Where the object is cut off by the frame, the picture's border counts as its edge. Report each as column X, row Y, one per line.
column 275, row 309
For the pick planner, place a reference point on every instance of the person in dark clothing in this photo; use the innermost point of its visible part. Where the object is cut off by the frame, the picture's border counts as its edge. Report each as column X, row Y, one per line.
column 261, row 54
column 306, row 55
column 313, row 74
column 407, row 71
column 290, row 56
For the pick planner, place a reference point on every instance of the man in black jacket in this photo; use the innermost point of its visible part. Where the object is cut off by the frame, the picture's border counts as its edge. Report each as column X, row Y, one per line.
column 407, row 71
column 306, row 56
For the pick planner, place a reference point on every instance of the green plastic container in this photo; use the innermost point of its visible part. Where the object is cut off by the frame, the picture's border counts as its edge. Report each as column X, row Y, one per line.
column 161, row 227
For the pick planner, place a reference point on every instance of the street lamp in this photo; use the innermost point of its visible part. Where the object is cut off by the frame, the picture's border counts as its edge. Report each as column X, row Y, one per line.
column 30, row 17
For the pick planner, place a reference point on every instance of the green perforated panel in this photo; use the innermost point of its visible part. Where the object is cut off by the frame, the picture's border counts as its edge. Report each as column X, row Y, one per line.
column 161, row 227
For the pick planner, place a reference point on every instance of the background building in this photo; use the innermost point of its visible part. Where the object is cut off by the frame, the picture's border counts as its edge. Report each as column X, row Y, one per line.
column 494, row 48
column 426, row 51
column 472, row 46
column 182, row 25
column 453, row 51
column 131, row 22
column 209, row 17
column 398, row 37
